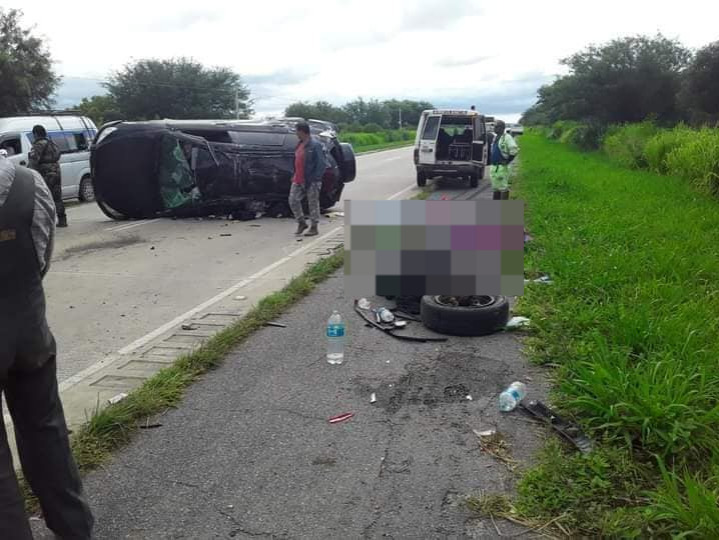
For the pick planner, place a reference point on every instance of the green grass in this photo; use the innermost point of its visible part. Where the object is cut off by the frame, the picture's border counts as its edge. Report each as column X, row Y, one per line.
column 630, row 325
column 113, row 426
column 381, row 140
column 382, row 146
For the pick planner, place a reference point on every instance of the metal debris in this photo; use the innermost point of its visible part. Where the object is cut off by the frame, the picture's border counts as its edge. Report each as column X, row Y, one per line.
column 189, row 327
column 341, row 418
column 276, row 324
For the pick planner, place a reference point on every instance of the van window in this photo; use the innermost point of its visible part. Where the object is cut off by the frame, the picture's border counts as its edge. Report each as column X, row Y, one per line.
column 431, row 128
column 61, row 140
column 81, row 141
column 12, row 146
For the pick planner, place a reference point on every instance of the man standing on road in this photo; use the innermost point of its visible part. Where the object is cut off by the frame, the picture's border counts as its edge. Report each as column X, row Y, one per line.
column 44, row 157
column 310, row 165
column 28, row 369
column 504, row 150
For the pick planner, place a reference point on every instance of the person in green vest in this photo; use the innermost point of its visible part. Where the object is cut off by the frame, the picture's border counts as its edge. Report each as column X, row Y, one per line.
column 504, row 150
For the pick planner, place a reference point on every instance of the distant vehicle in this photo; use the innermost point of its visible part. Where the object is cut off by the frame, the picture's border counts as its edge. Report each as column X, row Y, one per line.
column 451, row 144
column 195, row 167
column 515, row 129
column 71, row 133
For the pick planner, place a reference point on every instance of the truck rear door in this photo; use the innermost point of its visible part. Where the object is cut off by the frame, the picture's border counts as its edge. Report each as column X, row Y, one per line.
column 428, row 139
column 479, row 142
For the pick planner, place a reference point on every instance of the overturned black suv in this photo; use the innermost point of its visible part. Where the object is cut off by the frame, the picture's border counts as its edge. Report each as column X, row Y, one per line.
column 194, row 167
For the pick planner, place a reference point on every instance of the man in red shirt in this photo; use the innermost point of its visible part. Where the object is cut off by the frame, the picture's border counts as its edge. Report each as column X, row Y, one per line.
column 310, row 165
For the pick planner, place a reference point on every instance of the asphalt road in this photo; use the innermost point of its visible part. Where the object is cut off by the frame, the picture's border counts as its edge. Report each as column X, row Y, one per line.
column 112, row 283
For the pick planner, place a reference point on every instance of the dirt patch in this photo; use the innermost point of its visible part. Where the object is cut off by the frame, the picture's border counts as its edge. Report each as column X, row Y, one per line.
column 452, row 377
column 121, row 242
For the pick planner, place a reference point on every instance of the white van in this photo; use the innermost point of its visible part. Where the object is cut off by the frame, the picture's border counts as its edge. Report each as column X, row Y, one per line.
column 72, row 134
column 451, row 144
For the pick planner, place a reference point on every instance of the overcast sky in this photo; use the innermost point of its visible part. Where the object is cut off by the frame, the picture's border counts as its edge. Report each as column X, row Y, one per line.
column 494, row 54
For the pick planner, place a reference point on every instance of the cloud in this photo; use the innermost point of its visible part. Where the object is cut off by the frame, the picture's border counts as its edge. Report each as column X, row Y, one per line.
column 72, row 90
column 170, row 21
column 283, row 77
column 460, row 62
column 436, row 15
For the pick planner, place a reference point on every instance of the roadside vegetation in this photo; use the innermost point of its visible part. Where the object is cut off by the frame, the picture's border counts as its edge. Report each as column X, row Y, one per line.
column 380, row 139
column 629, row 329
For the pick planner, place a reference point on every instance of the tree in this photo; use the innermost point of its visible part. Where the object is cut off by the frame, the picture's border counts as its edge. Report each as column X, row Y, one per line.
column 700, row 89
column 625, row 80
column 320, row 110
column 27, row 80
column 178, row 88
column 100, row 108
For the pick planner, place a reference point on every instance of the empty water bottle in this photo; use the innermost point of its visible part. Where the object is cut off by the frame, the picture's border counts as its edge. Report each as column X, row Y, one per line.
column 511, row 397
column 335, row 339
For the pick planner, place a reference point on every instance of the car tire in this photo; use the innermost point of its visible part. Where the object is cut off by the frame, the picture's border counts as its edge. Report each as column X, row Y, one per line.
column 86, row 193
column 464, row 321
column 421, row 179
column 111, row 212
column 474, row 180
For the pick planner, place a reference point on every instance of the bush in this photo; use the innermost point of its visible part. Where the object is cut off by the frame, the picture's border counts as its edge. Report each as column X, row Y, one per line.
column 557, row 129
column 697, row 160
column 372, row 128
column 625, row 144
column 658, row 147
column 584, row 136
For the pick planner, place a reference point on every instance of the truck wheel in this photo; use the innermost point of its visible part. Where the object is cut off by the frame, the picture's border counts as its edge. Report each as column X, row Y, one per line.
column 110, row 212
column 421, row 179
column 489, row 315
column 474, row 180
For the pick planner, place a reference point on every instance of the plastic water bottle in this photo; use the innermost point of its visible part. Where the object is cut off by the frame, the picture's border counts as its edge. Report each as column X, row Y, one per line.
column 511, row 397
column 335, row 339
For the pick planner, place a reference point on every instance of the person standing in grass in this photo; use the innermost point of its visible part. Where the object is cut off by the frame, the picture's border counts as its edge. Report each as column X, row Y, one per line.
column 504, row 150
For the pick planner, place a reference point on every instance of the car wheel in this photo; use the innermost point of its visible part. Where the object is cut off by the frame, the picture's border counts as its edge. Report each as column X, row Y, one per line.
column 421, row 179
column 490, row 315
column 474, row 180
column 111, row 212
column 86, row 191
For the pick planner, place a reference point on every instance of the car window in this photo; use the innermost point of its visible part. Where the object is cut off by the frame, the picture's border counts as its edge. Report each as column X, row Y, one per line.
column 431, row 128
column 258, row 138
column 11, row 145
column 61, row 140
column 81, row 141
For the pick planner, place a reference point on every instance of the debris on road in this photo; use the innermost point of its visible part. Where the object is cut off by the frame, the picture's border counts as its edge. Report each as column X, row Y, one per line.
column 189, row 326
column 341, row 418
column 255, row 225
column 226, row 234
column 494, row 444
column 469, row 398
column 400, row 324
column 517, row 322
column 240, row 298
column 276, row 324
column 150, row 426
column 569, row 430
column 373, row 398
column 389, row 328
column 363, row 303
column 117, row 399
column 545, row 279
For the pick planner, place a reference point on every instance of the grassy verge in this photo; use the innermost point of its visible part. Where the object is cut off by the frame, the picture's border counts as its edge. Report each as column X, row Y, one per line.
column 113, row 426
column 382, row 146
column 630, row 328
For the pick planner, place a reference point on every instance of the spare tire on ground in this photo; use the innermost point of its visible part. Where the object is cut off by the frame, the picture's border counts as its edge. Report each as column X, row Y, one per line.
column 487, row 315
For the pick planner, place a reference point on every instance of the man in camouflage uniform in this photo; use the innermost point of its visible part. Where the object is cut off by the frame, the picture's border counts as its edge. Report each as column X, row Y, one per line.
column 44, row 157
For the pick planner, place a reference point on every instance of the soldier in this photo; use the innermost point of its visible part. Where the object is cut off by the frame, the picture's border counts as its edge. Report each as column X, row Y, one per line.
column 28, row 365
column 44, row 157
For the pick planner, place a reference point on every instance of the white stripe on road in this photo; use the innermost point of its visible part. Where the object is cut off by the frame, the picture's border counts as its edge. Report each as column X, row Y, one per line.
column 132, row 225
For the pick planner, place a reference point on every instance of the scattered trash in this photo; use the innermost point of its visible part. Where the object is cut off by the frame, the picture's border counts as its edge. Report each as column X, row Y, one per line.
column 390, row 328
column 209, row 238
column 152, row 248
column 469, row 398
column 72, row 307
column 341, row 418
column 150, row 426
column 298, row 239
column 400, row 324
column 226, row 234
column 385, row 315
column 517, row 322
column 569, row 430
column 495, row 445
column 373, row 398
column 189, row 326
column 117, row 399
column 255, row 225
column 510, row 398
column 230, row 506
column 240, row 298
column 337, row 214
column 387, row 362
column 444, row 198
column 276, row 324
column 363, row 303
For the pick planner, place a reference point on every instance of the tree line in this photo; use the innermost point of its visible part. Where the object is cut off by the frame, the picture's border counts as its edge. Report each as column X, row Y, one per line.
column 630, row 80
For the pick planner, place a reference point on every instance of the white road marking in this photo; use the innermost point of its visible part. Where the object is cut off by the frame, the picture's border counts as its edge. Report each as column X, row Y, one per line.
column 132, row 225
column 400, row 193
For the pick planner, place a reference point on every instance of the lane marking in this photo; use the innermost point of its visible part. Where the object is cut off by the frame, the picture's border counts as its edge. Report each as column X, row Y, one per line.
column 132, row 225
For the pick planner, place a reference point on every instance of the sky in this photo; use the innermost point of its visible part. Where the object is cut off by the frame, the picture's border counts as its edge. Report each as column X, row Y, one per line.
column 454, row 53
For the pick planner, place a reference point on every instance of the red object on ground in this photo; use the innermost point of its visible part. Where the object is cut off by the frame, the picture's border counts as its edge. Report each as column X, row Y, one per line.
column 444, row 198
column 341, row 417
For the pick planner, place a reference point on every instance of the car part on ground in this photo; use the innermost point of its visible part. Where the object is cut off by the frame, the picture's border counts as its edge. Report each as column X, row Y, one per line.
column 191, row 168
column 390, row 328
column 569, row 430
column 464, row 315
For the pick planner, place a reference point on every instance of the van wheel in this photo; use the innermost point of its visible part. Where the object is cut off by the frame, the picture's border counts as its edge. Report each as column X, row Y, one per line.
column 421, row 179
column 86, row 191
column 474, row 180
